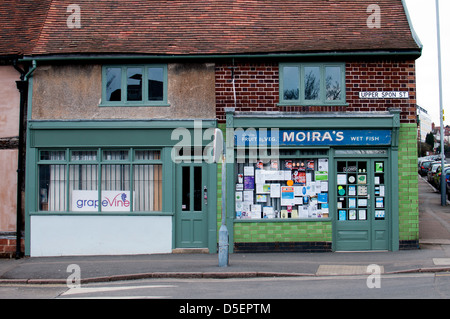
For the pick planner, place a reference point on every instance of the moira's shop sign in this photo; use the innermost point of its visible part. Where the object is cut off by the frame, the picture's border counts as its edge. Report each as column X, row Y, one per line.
column 271, row 137
column 111, row 201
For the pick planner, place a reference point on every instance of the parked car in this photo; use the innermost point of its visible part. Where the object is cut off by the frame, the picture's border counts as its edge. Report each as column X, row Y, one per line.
column 421, row 159
column 432, row 171
column 437, row 176
column 424, row 166
column 436, row 157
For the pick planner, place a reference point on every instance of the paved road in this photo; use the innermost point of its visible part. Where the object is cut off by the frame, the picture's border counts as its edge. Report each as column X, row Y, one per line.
column 404, row 286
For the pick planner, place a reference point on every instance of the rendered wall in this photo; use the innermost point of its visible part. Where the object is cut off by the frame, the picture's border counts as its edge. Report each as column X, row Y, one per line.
column 100, row 235
column 64, row 92
column 8, row 190
column 9, row 102
column 9, row 132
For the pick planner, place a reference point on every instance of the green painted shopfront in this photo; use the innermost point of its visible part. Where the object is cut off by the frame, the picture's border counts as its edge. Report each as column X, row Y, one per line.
column 319, row 120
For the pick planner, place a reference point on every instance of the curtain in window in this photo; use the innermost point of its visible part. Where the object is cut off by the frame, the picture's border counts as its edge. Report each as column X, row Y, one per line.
column 147, row 187
column 56, row 188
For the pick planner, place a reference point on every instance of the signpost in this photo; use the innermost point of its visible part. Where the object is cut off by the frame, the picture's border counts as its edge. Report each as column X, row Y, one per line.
column 219, row 153
column 443, row 186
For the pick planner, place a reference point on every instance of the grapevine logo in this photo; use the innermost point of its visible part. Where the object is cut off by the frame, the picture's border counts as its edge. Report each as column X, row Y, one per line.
column 87, row 201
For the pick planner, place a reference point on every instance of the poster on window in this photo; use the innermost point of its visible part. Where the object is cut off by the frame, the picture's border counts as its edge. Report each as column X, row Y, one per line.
column 111, row 201
column 287, row 195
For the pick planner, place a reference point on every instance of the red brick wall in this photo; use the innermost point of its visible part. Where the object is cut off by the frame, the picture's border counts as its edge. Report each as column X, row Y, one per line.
column 257, row 88
column 382, row 76
column 8, row 246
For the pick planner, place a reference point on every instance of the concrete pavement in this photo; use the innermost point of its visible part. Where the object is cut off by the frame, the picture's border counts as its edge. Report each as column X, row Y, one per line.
column 433, row 256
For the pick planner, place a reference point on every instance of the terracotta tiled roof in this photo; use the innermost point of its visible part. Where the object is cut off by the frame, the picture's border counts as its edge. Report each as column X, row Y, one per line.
column 190, row 27
column 20, row 24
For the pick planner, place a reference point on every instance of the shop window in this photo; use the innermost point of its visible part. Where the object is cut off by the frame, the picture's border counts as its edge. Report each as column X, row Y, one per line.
column 131, row 85
column 113, row 184
column 287, row 188
column 312, row 84
column 83, row 184
column 52, row 187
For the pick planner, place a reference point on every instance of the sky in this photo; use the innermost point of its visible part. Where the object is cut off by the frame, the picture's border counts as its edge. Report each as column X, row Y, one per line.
column 423, row 18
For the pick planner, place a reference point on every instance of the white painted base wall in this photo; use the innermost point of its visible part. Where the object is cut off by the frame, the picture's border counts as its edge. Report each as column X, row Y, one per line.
column 99, row 235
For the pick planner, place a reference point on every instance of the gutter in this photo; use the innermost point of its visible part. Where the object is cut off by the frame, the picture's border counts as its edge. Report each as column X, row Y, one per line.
column 120, row 56
column 411, row 27
column 22, row 86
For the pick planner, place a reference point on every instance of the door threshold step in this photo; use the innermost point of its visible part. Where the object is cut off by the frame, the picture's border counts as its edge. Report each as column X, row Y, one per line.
column 190, row 251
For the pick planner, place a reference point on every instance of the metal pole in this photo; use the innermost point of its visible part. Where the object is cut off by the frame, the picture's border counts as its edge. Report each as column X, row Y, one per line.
column 443, row 186
column 223, row 231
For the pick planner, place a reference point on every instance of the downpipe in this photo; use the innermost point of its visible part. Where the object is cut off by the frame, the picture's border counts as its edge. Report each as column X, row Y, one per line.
column 22, row 86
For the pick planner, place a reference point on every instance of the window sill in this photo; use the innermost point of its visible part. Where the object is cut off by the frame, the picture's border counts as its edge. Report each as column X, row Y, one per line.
column 282, row 220
column 162, row 104
column 52, row 213
column 312, row 104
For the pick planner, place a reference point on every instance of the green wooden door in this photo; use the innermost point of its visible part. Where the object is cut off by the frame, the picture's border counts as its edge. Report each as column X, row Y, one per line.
column 191, row 206
column 362, row 208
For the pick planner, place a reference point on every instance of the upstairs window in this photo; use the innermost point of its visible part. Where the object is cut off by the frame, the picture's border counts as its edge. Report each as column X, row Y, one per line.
column 312, row 84
column 134, row 85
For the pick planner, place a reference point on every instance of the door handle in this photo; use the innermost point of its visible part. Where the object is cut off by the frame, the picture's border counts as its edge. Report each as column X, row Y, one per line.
column 205, row 195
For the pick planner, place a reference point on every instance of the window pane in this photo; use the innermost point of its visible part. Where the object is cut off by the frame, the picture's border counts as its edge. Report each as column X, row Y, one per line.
column 52, row 155
column 113, row 84
column 291, row 83
column 312, row 83
column 147, row 155
column 83, row 188
column 155, row 84
column 134, row 84
column 84, row 156
column 186, row 189
column 333, row 83
column 115, row 188
column 52, row 188
column 147, row 188
column 115, row 155
column 198, row 189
